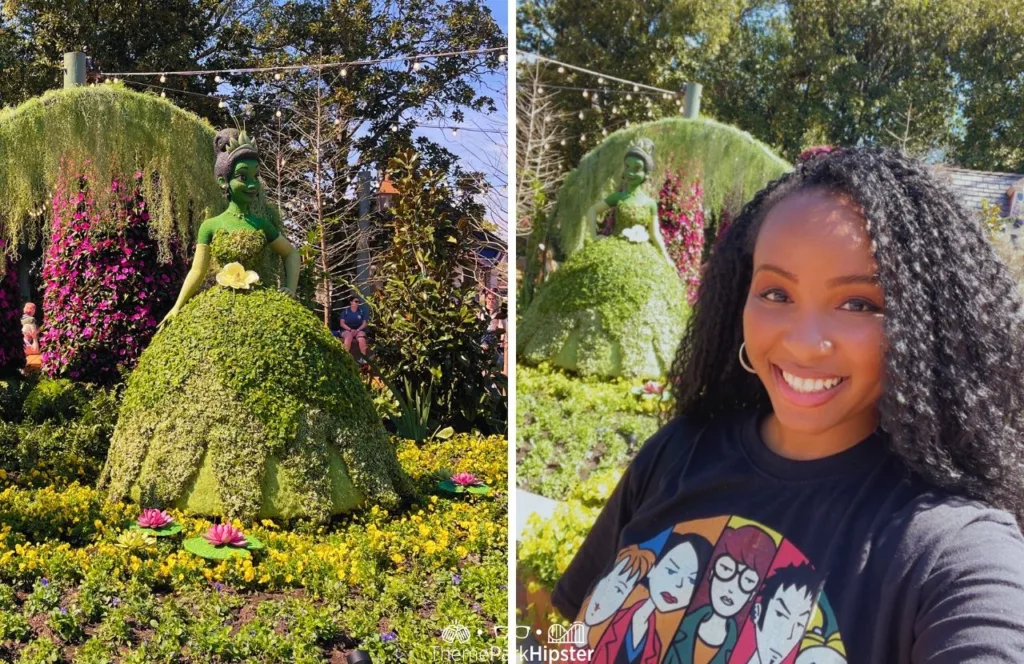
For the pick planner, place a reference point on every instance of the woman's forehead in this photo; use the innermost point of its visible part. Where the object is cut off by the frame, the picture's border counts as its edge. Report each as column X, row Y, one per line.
column 827, row 228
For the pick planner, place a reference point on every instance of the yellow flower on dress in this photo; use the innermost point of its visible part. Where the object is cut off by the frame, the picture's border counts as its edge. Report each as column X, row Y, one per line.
column 234, row 275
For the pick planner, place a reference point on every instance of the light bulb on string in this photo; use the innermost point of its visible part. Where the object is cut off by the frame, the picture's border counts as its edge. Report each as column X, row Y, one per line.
column 585, row 94
column 277, row 76
column 604, row 132
column 455, row 132
column 600, row 79
column 501, row 58
column 636, row 88
column 581, row 115
column 344, row 72
column 540, row 91
column 217, row 79
column 629, row 97
column 615, row 109
column 561, row 70
column 583, row 138
column 222, row 104
column 278, row 114
column 394, row 128
column 163, row 93
column 562, row 142
column 416, row 66
column 163, row 78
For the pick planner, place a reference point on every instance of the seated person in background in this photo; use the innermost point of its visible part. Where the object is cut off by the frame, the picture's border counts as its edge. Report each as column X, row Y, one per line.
column 29, row 329
column 353, row 326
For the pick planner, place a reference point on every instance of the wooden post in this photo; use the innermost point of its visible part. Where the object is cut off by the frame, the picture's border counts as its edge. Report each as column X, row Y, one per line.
column 692, row 100
column 365, row 193
column 74, row 70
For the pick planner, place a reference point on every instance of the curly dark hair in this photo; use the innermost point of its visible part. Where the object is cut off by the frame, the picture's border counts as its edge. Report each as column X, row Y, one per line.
column 953, row 403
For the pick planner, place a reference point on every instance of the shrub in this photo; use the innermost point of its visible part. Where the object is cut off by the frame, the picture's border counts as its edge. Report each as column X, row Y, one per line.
column 12, row 346
column 428, row 328
column 681, row 217
column 12, row 396
column 54, row 400
column 615, row 308
column 245, row 405
column 569, row 428
column 105, row 289
column 547, row 547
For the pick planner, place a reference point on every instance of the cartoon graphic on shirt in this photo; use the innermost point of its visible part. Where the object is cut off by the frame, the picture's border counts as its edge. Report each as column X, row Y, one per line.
column 783, row 611
column 722, row 590
column 632, row 635
column 822, row 643
column 611, row 591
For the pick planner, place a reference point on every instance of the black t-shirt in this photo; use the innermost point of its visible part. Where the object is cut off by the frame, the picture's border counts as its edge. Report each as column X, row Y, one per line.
column 713, row 549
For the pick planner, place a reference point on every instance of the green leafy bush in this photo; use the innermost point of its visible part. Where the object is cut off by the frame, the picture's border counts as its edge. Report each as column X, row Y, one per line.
column 428, row 327
column 56, row 400
column 615, row 308
column 548, row 546
column 12, row 396
column 569, row 428
column 245, row 405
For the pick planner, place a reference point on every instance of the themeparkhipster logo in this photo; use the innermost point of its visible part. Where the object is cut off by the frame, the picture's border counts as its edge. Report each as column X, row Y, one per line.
column 457, row 637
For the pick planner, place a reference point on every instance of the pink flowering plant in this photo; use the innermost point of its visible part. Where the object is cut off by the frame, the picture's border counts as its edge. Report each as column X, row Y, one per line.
column 12, row 346
column 157, row 523
column 464, row 483
column 681, row 219
column 105, row 287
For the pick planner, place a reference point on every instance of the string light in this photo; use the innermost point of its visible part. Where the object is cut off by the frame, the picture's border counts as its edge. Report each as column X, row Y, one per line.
column 629, row 97
column 583, row 137
column 277, row 77
column 581, row 115
column 562, row 141
column 501, row 58
column 455, row 132
column 585, row 94
column 561, row 70
column 163, row 93
column 278, row 114
column 217, row 78
column 416, row 66
column 636, row 88
column 163, row 78
column 344, row 72
column 222, row 104
column 604, row 132
column 394, row 128
column 540, row 91
column 600, row 79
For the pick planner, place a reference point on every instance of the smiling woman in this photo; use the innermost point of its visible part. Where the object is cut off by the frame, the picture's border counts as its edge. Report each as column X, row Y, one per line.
column 850, row 406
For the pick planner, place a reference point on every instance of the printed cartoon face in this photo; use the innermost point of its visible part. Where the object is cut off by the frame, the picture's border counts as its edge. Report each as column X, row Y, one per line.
column 820, row 655
column 786, row 616
column 732, row 584
column 610, row 593
column 673, row 580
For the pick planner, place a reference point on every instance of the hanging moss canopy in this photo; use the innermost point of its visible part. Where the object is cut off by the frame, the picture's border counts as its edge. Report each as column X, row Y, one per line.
column 731, row 164
column 615, row 308
column 121, row 132
column 246, row 406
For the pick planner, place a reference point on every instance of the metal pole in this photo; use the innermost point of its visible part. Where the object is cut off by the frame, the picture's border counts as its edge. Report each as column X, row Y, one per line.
column 692, row 101
column 74, row 70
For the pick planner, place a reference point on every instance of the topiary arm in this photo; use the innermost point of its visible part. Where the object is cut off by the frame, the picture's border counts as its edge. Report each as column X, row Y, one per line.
column 292, row 262
column 655, row 233
column 193, row 280
column 597, row 209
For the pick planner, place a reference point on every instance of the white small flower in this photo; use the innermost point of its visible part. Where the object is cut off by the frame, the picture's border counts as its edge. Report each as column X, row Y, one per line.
column 637, row 234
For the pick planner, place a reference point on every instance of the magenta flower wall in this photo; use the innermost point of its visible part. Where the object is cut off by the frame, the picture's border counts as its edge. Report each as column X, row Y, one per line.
column 681, row 218
column 104, row 289
column 12, row 347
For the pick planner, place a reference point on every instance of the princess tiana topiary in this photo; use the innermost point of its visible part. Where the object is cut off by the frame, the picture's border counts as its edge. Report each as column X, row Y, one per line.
column 617, row 307
column 244, row 404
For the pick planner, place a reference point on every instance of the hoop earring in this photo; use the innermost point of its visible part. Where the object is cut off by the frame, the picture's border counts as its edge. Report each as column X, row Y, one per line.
column 742, row 362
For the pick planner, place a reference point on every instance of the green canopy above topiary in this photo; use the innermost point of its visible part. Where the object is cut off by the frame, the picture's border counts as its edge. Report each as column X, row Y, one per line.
column 245, row 405
column 121, row 132
column 615, row 308
column 731, row 164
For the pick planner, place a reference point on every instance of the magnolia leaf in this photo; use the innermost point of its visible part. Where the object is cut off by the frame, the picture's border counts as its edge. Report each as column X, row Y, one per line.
column 445, row 433
column 165, row 531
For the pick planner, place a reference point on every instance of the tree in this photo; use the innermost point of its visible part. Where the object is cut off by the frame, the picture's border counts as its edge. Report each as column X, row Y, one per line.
column 427, row 323
column 122, row 36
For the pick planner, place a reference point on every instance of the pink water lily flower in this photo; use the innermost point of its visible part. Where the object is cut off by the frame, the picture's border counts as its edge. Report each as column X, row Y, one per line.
column 225, row 533
column 653, row 387
column 151, row 518
column 465, row 479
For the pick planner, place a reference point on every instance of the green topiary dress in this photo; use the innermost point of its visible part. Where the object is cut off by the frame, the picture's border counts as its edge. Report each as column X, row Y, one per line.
column 614, row 308
column 246, row 406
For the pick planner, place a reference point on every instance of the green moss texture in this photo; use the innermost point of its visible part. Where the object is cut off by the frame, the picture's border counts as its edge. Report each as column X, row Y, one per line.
column 615, row 308
column 245, row 405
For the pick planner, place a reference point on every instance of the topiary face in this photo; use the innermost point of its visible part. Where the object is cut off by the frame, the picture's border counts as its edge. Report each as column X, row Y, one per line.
column 635, row 172
column 244, row 186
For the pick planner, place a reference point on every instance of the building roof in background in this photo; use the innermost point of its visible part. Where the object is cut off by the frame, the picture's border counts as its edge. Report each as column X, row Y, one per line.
column 971, row 187
column 386, row 187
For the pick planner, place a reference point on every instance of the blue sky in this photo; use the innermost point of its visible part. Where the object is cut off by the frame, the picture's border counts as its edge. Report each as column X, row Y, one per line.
column 480, row 151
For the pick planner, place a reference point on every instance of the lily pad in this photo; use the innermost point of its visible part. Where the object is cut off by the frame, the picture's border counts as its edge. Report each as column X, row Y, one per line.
column 165, row 531
column 200, row 547
column 452, row 487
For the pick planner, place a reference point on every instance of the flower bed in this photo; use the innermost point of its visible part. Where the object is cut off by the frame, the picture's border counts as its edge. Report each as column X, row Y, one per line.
column 73, row 587
column 570, row 427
